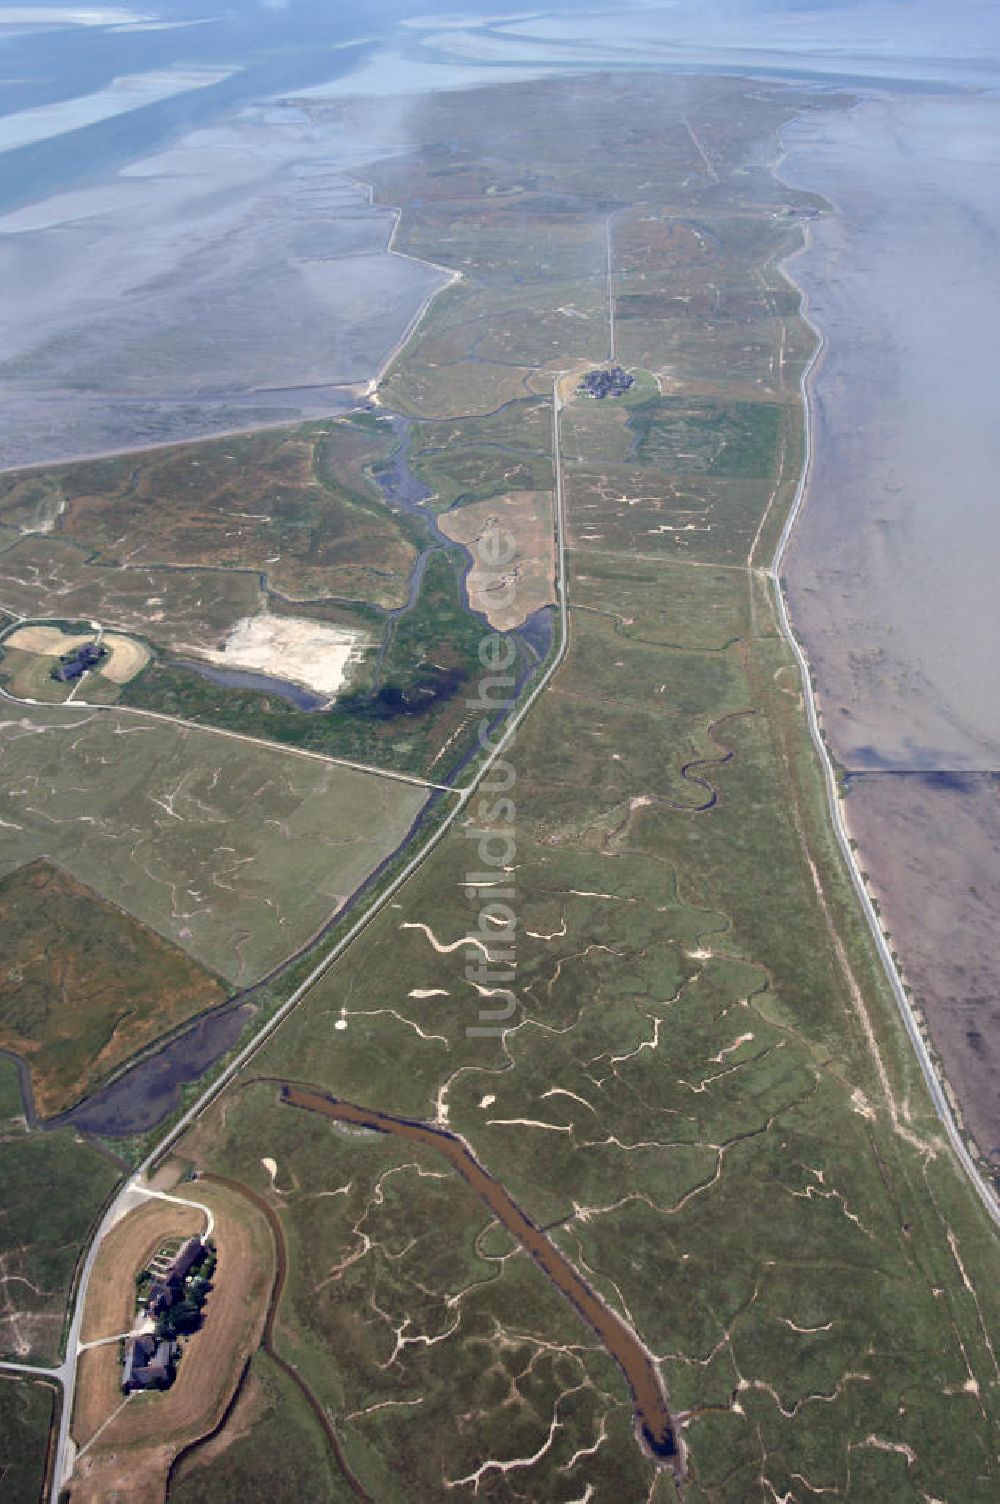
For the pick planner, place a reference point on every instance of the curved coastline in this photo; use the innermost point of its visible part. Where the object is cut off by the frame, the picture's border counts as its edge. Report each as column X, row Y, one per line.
column 936, row 1083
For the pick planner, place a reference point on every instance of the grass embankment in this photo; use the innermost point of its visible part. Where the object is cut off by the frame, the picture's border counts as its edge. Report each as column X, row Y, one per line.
column 271, row 1447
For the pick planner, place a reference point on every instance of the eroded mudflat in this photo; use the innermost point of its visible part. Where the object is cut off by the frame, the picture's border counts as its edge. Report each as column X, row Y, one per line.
column 931, row 845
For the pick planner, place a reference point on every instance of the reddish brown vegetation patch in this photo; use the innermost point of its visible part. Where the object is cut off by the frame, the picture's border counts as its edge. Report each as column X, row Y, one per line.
column 84, row 986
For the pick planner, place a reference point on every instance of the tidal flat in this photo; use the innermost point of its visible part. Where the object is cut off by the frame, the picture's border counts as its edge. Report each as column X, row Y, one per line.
column 891, row 572
column 930, row 844
column 239, row 278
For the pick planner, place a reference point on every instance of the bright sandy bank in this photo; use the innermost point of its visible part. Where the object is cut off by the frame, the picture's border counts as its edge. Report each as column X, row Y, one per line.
column 312, row 653
column 521, row 525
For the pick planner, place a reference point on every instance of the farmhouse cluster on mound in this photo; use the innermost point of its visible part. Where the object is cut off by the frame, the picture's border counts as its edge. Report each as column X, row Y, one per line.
column 611, row 383
column 173, row 1304
column 74, row 665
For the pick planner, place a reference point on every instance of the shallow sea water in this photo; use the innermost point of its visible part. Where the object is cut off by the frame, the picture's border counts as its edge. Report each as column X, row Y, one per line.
column 892, row 571
column 235, row 278
column 892, row 574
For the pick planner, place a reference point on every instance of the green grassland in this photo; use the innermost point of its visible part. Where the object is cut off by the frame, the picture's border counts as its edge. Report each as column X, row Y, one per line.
column 26, row 1408
column 273, row 1450
column 704, row 1090
column 706, row 438
column 29, row 676
column 234, row 852
column 84, row 986
column 54, row 1188
column 291, row 521
column 178, row 544
column 403, row 1430
column 678, row 1097
column 11, row 1104
column 472, row 459
column 680, row 476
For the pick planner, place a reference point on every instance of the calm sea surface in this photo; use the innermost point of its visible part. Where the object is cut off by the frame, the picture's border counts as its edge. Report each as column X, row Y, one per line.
column 893, row 572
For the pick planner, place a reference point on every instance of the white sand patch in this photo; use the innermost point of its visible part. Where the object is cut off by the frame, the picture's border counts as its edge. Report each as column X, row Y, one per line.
column 271, row 1166
column 729, row 1048
column 488, row 1100
column 422, row 992
column 312, row 653
column 688, row 527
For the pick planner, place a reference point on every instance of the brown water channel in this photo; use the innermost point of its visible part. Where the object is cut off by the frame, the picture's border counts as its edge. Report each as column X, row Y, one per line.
column 654, row 1421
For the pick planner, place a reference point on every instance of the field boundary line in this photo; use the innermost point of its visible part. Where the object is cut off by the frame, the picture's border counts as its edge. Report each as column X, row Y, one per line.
column 103, row 1427
column 450, row 273
column 703, row 154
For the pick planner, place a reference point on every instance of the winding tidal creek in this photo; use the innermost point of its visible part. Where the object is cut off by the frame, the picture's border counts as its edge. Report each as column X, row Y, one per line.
column 654, row 1422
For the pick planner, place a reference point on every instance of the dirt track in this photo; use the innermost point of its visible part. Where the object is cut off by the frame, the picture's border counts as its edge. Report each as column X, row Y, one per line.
column 111, row 1296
